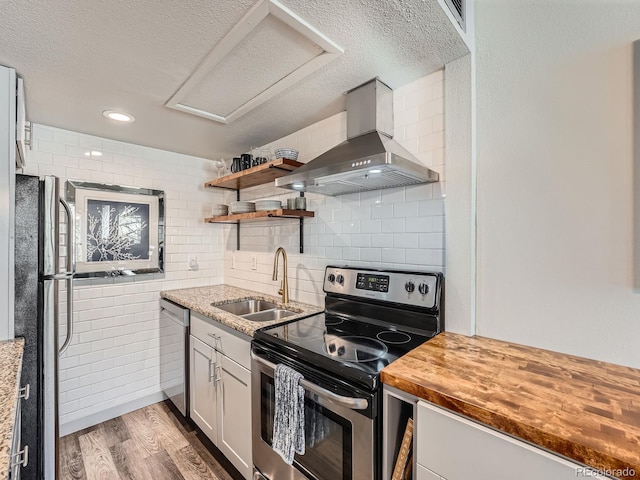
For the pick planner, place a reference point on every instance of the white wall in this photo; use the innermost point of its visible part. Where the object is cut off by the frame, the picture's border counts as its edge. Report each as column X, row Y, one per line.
column 112, row 363
column 400, row 228
column 554, row 159
column 460, row 208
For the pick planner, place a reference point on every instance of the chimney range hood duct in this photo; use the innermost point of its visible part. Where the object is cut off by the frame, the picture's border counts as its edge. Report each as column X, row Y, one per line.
column 370, row 159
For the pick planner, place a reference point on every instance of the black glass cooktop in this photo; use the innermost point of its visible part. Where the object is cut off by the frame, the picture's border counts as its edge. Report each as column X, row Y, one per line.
column 353, row 348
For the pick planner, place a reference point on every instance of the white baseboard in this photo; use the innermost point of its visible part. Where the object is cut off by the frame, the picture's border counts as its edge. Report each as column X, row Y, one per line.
column 108, row 414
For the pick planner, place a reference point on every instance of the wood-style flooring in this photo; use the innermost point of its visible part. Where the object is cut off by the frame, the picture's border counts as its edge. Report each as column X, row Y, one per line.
column 148, row 444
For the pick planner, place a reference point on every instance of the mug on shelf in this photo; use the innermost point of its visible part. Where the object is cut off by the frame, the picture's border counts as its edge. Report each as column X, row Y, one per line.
column 301, row 203
column 246, row 161
column 236, row 165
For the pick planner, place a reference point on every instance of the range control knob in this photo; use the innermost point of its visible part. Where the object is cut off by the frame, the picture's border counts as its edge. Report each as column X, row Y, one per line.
column 423, row 288
column 340, row 279
column 409, row 286
column 331, row 347
column 332, row 277
column 341, row 350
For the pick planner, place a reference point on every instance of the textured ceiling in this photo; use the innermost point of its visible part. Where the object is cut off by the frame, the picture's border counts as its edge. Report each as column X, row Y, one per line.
column 80, row 57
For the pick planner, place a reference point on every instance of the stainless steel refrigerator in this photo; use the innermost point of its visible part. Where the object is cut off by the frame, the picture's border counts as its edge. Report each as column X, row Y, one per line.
column 37, row 289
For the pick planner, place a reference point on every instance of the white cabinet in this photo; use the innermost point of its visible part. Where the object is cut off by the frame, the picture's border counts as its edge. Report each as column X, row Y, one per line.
column 455, row 448
column 426, row 474
column 234, row 414
column 202, row 383
column 220, row 388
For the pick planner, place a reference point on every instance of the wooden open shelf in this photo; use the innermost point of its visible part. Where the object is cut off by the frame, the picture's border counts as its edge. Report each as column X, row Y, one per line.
column 258, row 175
column 252, row 216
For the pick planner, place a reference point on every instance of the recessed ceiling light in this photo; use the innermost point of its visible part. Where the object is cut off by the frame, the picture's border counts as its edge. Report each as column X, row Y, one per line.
column 119, row 116
column 93, row 153
column 298, row 185
column 375, row 170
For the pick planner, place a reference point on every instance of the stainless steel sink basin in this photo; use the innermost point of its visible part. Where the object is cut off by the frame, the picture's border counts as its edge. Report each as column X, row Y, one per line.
column 245, row 307
column 268, row 315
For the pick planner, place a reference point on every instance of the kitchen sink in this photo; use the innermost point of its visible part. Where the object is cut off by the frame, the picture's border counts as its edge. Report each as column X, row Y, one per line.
column 255, row 310
column 244, row 307
column 268, row 315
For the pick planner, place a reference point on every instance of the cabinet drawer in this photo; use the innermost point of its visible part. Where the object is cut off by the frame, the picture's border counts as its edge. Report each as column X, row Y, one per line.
column 233, row 344
column 458, row 448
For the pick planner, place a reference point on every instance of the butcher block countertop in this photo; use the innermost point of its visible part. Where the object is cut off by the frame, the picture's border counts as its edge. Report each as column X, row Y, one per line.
column 586, row 410
column 204, row 299
column 10, row 367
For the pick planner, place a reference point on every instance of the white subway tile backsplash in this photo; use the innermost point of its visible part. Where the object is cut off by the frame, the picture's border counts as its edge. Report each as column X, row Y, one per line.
column 431, row 240
column 392, row 255
column 405, row 240
column 420, row 224
column 370, row 226
column 370, row 254
column 382, row 240
column 392, row 225
column 382, row 211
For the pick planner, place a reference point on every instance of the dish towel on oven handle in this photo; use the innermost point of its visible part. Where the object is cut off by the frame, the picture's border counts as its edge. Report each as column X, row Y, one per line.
column 288, row 419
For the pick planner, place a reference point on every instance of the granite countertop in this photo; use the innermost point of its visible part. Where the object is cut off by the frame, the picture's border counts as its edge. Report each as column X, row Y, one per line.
column 200, row 299
column 10, row 367
column 583, row 409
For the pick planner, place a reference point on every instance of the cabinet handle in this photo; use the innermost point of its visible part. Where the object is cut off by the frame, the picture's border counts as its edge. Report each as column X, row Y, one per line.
column 212, row 371
column 216, row 339
column 218, row 375
column 24, row 453
column 25, row 391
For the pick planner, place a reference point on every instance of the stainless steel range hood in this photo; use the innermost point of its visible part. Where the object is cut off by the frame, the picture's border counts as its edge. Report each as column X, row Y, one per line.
column 370, row 159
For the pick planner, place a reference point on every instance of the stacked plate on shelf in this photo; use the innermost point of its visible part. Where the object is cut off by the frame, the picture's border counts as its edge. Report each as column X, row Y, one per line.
column 262, row 205
column 243, row 207
column 289, row 153
column 219, row 210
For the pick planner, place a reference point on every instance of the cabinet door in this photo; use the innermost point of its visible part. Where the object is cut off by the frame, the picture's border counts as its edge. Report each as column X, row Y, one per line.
column 234, row 414
column 201, row 387
column 457, row 448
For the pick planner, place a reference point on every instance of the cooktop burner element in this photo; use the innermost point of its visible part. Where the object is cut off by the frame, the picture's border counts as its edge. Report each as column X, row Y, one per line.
column 354, row 349
column 333, row 321
column 393, row 337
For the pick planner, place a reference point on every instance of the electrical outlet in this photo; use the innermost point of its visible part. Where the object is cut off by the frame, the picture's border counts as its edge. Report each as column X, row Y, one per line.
column 254, row 262
column 193, row 263
column 233, row 261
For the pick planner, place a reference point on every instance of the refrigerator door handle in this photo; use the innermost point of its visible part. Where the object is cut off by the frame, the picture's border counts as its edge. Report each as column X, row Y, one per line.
column 67, row 341
column 71, row 229
column 71, row 270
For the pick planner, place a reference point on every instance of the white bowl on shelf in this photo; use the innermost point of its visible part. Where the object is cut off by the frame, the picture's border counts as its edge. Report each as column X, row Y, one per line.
column 219, row 210
column 243, row 207
column 262, row 205
column 288, row 153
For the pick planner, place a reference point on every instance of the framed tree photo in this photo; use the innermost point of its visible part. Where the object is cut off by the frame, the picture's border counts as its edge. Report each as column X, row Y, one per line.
column 118, row 230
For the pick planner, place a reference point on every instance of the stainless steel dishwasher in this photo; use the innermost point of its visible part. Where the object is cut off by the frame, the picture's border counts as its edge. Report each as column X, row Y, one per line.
column 174, row 354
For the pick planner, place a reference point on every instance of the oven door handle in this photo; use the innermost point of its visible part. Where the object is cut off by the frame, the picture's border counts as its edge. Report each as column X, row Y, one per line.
column 348, row 402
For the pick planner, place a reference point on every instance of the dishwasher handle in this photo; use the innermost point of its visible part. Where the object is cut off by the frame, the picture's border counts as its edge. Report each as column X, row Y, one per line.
column 175, row 312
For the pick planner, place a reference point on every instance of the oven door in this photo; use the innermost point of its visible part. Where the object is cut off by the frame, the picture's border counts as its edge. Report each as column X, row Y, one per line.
column 340, row 438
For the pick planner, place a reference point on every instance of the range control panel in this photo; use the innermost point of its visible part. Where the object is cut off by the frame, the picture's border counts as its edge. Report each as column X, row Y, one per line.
column 420, row 289
column 373, row 282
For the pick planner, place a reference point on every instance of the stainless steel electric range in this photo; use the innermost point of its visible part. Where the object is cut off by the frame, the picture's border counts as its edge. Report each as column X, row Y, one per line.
column 371, row 318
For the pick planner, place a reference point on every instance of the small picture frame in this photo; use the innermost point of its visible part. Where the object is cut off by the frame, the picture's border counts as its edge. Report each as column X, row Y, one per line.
column 118, row 230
